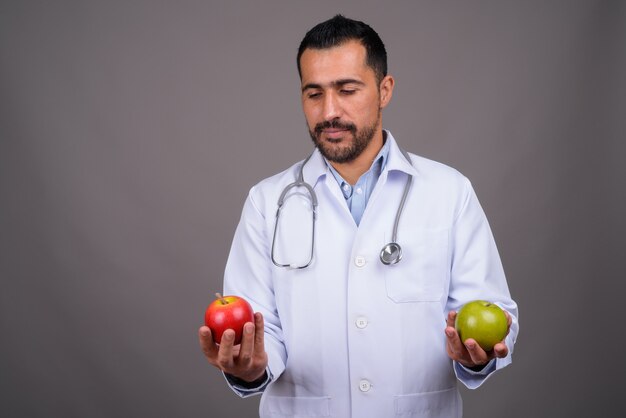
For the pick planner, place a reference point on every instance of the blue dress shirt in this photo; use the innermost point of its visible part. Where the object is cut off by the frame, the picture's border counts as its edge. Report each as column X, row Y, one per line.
column 358, row 195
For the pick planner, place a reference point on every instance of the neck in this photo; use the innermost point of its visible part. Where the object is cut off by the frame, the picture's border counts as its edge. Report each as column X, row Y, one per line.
column 353, row 170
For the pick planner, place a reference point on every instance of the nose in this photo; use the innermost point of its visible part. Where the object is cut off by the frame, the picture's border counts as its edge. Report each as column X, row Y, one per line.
column 332, row 107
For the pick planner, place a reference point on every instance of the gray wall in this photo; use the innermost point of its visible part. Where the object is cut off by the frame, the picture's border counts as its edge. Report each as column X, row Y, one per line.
column 131, row 131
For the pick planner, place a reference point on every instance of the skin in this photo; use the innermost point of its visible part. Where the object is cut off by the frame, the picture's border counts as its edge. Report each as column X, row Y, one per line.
column 248, row 360
column 337, row 86
column 468, row 352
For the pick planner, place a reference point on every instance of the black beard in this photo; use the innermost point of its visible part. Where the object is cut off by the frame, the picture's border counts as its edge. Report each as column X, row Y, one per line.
column 361, row 137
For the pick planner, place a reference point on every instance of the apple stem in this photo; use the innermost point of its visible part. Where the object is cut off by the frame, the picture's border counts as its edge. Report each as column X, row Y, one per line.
column 221, row 298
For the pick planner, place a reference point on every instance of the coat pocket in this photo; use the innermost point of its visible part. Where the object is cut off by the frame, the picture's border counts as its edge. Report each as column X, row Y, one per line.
column 422, row 273
column 287, row 406
column 440, row 404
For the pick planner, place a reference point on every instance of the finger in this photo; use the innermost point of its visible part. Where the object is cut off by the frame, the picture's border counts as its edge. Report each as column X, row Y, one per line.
column 259, row 333
column 225, row 354
column 247, row 345
column 500, row 350
column 209, row 348
column 451, row 319
column 476, row 352
column 508, row 318
column 455, row 347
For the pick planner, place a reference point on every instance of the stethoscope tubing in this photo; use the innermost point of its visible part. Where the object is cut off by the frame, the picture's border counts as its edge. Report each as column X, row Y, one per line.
column 281, row 200
column 391, row 252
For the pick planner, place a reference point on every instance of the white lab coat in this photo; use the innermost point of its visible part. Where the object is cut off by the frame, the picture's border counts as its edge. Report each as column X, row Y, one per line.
column 349, row 336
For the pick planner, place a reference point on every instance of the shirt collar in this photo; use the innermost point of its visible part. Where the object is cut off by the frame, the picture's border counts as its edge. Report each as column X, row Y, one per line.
column 397, row 161
column 317, row 167
column 381, row 159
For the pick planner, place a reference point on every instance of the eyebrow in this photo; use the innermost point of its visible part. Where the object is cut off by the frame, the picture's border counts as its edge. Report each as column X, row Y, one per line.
column 335, row 83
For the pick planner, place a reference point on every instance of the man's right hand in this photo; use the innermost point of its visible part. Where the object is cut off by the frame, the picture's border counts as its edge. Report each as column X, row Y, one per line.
column 246, row 361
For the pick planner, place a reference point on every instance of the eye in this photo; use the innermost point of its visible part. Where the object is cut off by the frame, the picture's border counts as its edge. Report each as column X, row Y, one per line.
column 314, row 95
column 347, row 92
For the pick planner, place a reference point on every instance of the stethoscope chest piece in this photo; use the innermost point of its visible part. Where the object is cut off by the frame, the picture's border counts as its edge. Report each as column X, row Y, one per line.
column 391, row 254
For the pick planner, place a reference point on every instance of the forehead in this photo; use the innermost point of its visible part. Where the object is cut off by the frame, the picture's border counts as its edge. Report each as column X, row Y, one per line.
column 347, row 60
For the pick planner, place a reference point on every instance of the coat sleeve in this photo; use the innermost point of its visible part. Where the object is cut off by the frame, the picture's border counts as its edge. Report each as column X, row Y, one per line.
column 477, row 273
column 248, row 274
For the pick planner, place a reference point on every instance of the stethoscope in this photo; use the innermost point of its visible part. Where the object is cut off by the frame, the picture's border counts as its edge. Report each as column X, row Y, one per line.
column 391, row 252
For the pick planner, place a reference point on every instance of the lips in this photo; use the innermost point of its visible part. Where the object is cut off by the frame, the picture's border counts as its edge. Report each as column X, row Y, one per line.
column 334, row 133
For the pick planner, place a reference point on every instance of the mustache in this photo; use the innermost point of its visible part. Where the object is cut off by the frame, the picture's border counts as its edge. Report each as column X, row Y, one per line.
column 336, row 124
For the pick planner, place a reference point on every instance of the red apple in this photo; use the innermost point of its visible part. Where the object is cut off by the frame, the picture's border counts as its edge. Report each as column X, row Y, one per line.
column 228, row 312
column 483, row 321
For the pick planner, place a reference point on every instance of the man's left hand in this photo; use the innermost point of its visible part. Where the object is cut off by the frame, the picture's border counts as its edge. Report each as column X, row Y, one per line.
column 468, row 352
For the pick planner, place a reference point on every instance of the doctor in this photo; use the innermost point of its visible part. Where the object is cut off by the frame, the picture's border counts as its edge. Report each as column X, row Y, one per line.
column 337, row 332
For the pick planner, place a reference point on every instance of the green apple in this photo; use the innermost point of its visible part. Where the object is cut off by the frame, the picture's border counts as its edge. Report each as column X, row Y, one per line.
column 483, row 321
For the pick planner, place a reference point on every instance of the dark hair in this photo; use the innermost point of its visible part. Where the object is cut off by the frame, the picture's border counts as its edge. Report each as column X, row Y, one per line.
column 339, row 30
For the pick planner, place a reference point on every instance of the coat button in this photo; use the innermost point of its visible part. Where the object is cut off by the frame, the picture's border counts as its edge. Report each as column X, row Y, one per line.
column 361, row 322
column 359, row 260
column 364, row 385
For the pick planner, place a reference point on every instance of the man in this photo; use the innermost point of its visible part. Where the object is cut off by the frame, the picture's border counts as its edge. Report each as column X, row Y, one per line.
column 337, row 332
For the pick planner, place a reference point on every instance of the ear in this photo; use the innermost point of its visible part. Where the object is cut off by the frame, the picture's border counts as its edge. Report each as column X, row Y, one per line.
column 386, row 90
